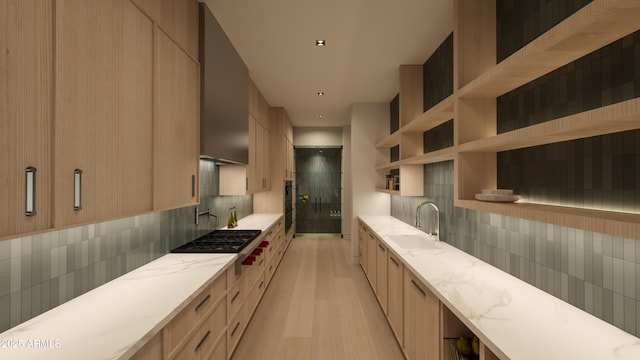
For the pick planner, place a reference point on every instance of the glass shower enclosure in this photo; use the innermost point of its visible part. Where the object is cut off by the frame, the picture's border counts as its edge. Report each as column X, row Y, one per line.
column 318, row 189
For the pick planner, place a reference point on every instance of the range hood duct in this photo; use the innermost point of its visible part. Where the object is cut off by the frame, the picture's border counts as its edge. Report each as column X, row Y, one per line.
column 224, row 91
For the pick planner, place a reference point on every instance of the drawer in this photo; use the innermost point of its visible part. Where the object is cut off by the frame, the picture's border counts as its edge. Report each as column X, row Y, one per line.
column 201, row 343
column 270, row 269
column 183, row 325
column 235, row 298
column 234, row 331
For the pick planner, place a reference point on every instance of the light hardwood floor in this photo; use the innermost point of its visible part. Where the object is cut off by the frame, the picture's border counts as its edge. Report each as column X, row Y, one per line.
column 319, row 305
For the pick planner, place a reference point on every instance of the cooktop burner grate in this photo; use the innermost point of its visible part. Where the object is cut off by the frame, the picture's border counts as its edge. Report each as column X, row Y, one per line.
column 219, row 241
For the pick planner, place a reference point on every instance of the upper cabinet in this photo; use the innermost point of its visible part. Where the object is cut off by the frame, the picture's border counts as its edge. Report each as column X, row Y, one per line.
column 26, row 116
column 103, row 112
column 176, row 146
column 85, row 145
column 176, row 19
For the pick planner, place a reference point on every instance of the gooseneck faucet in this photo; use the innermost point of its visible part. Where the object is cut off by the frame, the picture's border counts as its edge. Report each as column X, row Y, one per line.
column 435, row 207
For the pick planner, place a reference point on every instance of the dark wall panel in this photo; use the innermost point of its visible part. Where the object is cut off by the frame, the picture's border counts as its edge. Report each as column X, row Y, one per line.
column 437, row 73
column 604, row 77
column 439, row 137
column 519, row 22
column 394, row 114
column 601, row 172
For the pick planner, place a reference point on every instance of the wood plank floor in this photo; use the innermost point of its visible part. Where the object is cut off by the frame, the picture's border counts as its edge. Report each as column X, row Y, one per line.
column 319, row 305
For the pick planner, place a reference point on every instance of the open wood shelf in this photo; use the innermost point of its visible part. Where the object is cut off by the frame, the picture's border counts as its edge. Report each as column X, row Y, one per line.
column 602, row 221
column 432, row 157
column 390, row 141
column 433, row 117
column 389, row 166
column 613, row 118
column 592, row 27
column 388, row 191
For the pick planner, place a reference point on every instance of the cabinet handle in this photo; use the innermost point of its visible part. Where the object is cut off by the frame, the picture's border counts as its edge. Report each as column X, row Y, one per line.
column 77, row 189
column 382, row 247
column 193, row 185
column 418, row 287
column 371, row 236
column 394, row 261
column 260, row 286
column 202, row 340
column 270, row 267
column 246, row 183
column 235, row 296
column 202, row 302
column 235, row 328
column 30, row 191
column 261, row 261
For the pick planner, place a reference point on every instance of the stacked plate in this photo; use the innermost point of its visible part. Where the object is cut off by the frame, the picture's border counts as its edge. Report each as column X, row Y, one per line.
column 497, row 195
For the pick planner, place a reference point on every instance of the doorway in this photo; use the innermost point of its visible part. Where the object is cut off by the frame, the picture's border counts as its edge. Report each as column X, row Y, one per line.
column 318, row 189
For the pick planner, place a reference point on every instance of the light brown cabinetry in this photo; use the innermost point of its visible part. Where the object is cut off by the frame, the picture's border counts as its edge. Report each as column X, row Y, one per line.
column 381, row 277
column 199, row 325
column 152, row 350
column 26, row 113
column 176, row 124
column 103, row 113
column 372, row 260
column 395, row 273
column 421, row 319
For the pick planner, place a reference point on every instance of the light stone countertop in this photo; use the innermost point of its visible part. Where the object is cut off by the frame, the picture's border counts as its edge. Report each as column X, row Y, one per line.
column 516, row 320
column 116, row 319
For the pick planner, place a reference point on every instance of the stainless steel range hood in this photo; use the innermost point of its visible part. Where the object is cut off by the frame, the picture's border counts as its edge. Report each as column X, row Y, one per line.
column 224, row 89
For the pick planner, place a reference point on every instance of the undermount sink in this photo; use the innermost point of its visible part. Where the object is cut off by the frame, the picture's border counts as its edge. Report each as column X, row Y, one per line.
column 414, row 242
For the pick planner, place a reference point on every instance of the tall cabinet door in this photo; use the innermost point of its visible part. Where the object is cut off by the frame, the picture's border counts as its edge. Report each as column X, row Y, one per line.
column 176, row 126
column 26, row 118
column 88, row 35
column 421, row 319
column 135, row 130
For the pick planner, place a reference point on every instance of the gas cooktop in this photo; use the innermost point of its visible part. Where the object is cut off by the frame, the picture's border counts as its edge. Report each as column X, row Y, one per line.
column 219, row 241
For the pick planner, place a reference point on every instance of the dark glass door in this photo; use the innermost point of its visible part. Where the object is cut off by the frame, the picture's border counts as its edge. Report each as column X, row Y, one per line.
column 318, row 190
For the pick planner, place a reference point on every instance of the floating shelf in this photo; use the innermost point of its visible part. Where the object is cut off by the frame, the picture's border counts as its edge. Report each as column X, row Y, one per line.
column 433, row 117
column 432, row 157
column 592, row 27
column 613, row 118
column 390, row 141
column 602, row 221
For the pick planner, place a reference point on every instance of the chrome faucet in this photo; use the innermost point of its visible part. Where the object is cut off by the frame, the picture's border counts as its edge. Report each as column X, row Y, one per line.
column 435, row 207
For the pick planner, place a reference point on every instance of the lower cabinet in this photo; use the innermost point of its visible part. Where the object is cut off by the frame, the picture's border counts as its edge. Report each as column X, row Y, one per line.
column 211, row 325
column 381, row 276
column 421, row 320
column 152, row 350
column 197, row 327
column 395, row 273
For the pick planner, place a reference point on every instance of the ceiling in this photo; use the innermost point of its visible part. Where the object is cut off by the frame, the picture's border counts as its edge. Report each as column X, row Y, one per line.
column 366, row 42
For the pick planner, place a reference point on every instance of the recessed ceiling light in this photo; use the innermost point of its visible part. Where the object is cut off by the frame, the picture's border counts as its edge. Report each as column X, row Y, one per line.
column 320, row 43
column 320, row 93
column 321, row 116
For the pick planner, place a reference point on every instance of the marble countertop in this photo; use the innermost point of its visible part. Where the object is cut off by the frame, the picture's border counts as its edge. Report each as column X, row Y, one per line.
column 116, row 319
column 516, row 320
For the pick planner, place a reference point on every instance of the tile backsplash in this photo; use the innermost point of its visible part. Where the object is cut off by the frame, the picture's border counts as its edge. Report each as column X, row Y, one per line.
column 595, row 272
column 42, row 271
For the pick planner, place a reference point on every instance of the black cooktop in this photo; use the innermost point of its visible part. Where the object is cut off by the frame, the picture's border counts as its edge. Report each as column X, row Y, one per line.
column 219, row 241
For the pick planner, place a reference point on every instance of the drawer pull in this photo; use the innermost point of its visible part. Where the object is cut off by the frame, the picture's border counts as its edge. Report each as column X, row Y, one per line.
column 77, row 189
column 393, row 260
column 261, row 261
column 235, row 328
column 371, row 236
column 203, row 302
column 270, row 267
column 382, row 247
column 418, row 287
column 260, row 286
column 30, row 194
column 235, row 296
column 202, row 340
